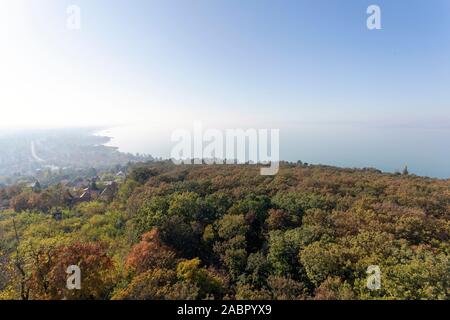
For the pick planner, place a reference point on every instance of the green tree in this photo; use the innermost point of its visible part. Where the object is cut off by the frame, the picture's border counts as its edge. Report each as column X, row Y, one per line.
column 191, row 271
column 283, row 253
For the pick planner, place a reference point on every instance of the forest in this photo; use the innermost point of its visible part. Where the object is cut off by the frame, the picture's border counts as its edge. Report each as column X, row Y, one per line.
column 226, row 232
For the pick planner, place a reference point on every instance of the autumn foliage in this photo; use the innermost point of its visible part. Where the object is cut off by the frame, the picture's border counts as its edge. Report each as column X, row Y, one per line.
column 226, row 232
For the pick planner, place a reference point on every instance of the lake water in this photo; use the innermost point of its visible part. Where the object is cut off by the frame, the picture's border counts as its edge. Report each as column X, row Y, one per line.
column 426, row 151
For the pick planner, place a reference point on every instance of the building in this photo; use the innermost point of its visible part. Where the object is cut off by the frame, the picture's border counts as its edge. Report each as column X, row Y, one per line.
column 109, row 192
column 88, row 194
column 35, row 186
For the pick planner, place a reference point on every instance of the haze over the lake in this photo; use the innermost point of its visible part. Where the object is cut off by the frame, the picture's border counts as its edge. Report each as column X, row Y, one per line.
column 339, row 93
column 424, row 150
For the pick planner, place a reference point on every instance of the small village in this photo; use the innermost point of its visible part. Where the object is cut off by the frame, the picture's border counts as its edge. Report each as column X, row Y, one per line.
column 102, row 187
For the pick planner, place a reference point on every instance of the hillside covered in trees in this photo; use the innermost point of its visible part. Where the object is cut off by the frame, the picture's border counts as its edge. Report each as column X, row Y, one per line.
column 226, row 232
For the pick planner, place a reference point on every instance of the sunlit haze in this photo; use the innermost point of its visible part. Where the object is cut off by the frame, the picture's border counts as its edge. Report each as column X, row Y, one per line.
column 312, row 69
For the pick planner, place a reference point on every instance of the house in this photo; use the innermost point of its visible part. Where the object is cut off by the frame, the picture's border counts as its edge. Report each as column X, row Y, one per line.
column 109, row 192
column 121, row 175
column 35, row 186
column 88, row 194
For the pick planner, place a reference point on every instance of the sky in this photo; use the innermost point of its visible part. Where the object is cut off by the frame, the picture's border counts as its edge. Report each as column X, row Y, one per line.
column 289, row 64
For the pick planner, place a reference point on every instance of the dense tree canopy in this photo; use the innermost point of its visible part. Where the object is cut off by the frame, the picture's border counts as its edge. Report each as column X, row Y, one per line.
column 226, row 232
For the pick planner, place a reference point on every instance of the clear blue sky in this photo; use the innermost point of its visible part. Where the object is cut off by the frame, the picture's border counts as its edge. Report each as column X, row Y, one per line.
column 300, row 57
column 272, row 63
column 294, row 56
